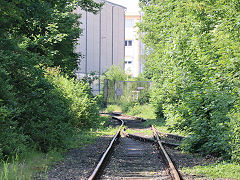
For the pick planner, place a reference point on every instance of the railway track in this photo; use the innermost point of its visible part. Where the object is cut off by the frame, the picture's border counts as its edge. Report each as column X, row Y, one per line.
column 129, row 156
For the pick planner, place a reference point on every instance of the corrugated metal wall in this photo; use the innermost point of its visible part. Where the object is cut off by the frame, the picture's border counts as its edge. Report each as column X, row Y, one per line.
column 102, row 40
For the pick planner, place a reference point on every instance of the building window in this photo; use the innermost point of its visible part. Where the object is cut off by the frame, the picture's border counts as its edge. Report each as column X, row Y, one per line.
column 129, row 23
column 128, row 43
column 128, row 62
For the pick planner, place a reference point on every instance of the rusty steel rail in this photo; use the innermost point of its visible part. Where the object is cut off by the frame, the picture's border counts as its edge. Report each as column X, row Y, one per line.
column 144, row 139
column 173, row 170
column 172, row 136
column 135, row 117
column 106, row 153
column 139, row 138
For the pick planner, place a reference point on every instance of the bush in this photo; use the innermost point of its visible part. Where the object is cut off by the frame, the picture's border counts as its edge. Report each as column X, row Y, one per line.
column 115, row 73
column 144, row 98
column 83, row 106
column 61, row 105
column 193, row 58
column 46, row 114
column 235, row 135
column 45, row 118
column 12, row 141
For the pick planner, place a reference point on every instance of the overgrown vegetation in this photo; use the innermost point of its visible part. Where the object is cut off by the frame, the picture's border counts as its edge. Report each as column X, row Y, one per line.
column 125, row 90
column 115, row 73
column 41, row 108
column 219, row 169
column 144, row 111
column 28, row 165
column 193, row 58
column 34, row 164
column 216, row 170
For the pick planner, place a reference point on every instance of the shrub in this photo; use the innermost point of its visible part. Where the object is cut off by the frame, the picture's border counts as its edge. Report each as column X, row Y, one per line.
column 46, row 113
column 235, row 135
column 12, row 141
column 115, row 73
column 193, row 58
column 83, row 106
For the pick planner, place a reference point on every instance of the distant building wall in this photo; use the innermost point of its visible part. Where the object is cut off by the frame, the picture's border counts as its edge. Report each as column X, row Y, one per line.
column 133, row 45
column 102, row 40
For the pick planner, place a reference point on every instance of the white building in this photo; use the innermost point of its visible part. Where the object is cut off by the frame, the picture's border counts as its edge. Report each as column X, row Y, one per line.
column 102, row 40
column 133, row 47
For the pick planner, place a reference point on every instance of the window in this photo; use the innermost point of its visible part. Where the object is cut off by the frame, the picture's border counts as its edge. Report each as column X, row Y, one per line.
column 128, row 42
column 129, row 23
column 128, row 62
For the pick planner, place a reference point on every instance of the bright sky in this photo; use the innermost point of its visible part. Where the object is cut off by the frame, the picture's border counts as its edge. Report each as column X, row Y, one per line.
column 131, row 5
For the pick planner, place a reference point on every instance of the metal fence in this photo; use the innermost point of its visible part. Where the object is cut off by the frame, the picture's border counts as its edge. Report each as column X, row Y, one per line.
column 126, row 90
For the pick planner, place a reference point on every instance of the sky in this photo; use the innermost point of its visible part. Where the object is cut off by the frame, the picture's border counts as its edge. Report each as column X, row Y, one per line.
column 131, row 5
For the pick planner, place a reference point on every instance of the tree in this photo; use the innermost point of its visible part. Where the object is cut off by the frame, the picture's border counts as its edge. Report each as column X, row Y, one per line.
column 194, row 60
column 36, row 35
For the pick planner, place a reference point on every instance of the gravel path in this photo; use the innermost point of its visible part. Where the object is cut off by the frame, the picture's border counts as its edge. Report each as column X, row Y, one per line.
column 78, row 163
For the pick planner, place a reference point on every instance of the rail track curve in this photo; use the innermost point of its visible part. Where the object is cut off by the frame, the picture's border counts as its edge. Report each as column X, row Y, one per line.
column 132, row 157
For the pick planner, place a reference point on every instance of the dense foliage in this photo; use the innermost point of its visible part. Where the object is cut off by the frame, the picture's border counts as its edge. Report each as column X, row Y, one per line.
column 81, row 102
column 193, row 55
column 115, row 73
column 35, row 111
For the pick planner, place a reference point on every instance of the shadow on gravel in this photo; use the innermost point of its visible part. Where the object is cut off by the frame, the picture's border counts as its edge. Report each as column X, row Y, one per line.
column 78, row 163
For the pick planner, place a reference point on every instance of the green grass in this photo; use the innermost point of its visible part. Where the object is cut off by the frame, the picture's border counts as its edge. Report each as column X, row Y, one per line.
column 144, row 111
column 217, row 170
column 112, row 108
column 87, row 137
column 29, row 164
column 34, row 162
column 134, row 109
column 144, row 131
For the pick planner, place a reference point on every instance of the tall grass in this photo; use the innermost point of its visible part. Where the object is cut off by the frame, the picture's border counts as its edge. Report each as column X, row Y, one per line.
column 28, row 166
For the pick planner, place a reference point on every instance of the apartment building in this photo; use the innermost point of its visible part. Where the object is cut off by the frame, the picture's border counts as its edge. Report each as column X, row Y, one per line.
column 133, row 45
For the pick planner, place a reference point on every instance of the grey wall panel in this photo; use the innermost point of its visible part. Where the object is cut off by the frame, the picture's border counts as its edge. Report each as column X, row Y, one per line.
column 93, row 42
column 106, row 37
column 118, row 36
column 81, row 46
column 100, row 52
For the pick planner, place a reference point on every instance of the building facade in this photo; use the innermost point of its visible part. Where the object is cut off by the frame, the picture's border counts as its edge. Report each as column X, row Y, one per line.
column 102, row 40
column 132, row 45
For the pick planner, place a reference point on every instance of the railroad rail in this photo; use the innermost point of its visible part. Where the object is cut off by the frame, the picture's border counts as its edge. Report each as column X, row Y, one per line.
column 173, row 170
column 106, row 153
column 156, row 140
